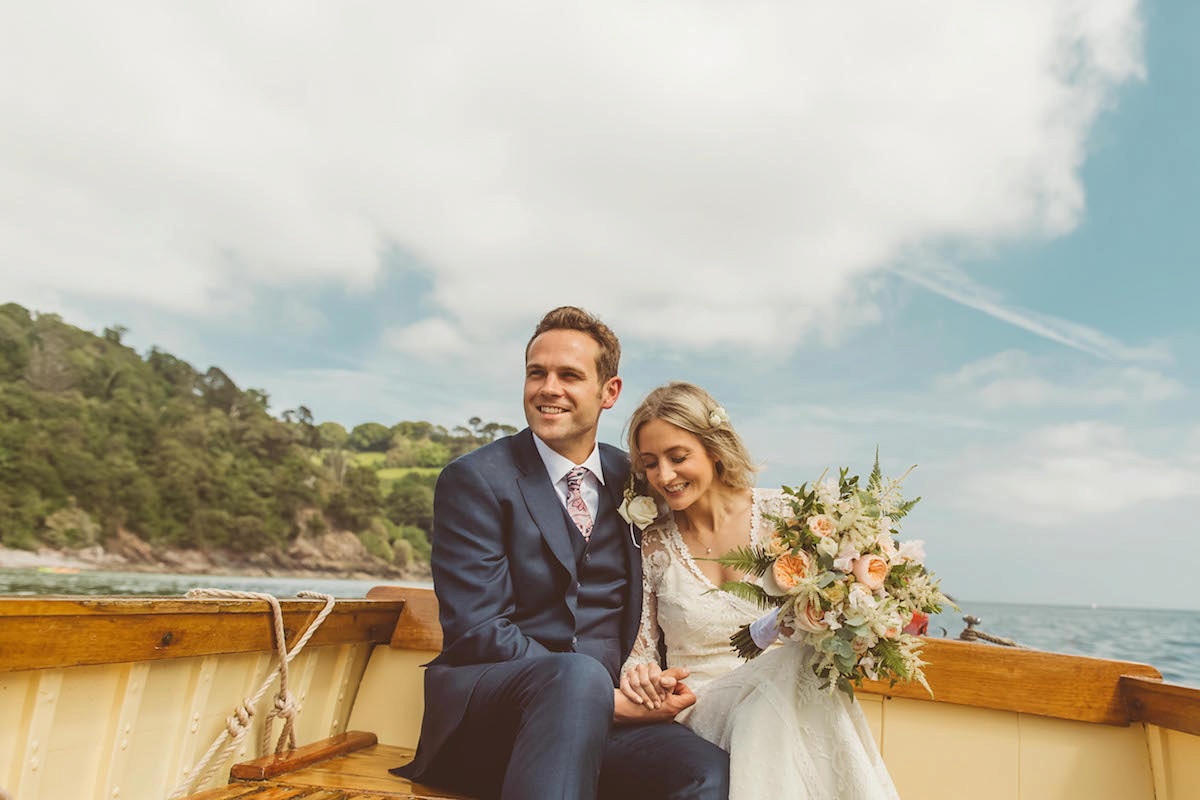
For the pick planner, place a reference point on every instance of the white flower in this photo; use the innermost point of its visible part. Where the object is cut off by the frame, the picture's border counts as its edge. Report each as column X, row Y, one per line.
column 867, row 662
column 912, row 550
column 845, row 559
column 827, row 492
column 828, row 547
column 831, row 619
column 639, row 510
column 887, row 547
column 717, row 417
column 860, row 597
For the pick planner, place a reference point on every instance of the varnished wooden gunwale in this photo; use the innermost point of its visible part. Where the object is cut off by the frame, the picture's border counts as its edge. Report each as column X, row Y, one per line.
column 418, row 627
column 58, row 632
column 1026, row 681
column 964, row 673
column 1163, row 704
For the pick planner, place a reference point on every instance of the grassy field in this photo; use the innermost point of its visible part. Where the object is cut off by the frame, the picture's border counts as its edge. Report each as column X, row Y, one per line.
column 387, row 475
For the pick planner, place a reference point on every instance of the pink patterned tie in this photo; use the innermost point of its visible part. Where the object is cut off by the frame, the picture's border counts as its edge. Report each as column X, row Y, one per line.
column 575, row 505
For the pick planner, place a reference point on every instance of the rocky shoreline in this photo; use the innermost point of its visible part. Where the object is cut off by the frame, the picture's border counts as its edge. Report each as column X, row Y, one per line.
column 336, row 554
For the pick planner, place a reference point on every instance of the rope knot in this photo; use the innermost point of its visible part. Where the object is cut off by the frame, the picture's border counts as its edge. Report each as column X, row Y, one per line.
column 285, row 704
column 240, row 720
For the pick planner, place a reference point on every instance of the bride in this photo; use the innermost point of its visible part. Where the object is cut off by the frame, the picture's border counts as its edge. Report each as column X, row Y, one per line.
column 786, row 736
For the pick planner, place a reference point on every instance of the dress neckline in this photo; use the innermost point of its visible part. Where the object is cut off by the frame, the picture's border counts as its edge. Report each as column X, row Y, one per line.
column 686, row 553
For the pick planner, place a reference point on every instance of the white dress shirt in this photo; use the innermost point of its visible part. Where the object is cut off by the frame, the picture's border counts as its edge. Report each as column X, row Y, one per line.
column 557, row 467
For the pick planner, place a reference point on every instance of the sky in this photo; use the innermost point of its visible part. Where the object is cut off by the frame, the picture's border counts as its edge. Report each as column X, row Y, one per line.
column 960, row 232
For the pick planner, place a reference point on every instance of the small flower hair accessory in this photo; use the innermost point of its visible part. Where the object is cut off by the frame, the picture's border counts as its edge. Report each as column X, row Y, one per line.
column 718, row 417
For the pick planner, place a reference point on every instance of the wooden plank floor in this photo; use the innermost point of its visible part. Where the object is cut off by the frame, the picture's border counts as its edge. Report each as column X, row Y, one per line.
column 361, row 775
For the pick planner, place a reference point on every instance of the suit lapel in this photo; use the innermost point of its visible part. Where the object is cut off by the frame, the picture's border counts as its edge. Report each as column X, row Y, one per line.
column 542, row 501
column 616, row 470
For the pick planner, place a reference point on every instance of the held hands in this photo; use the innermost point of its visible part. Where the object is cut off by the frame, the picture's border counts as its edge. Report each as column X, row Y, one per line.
column 648, row 685
column 651, row 694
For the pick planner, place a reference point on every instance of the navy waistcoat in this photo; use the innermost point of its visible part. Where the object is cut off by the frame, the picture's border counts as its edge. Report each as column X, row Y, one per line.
column 603, row 580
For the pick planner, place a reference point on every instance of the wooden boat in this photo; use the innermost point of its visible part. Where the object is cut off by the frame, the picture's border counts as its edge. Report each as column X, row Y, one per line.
column 119, row 697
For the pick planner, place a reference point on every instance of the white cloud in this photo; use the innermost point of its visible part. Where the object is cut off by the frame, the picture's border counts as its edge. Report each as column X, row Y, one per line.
column 1059, row 474
column 431, row 338
column 1014, row 379
column 697, row 173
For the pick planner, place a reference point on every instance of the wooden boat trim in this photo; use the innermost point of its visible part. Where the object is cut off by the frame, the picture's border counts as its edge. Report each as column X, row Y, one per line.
column 418, row 627
column 964, row 673
column 1163, row 704
column 266, row 767
column 70, row 631
column 1026, row 681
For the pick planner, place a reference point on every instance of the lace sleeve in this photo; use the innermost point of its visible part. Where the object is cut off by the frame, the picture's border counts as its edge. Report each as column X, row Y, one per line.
column 767, row 502
column 654, row 563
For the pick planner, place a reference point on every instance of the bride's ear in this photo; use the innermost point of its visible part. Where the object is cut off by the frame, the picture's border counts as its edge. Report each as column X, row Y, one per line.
column 720, row 469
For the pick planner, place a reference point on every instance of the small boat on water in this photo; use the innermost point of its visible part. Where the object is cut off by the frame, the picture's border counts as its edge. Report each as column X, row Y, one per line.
column 122, row 698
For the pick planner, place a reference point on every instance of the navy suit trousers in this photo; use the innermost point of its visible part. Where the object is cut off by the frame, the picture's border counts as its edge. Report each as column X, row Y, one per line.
column 540, row 728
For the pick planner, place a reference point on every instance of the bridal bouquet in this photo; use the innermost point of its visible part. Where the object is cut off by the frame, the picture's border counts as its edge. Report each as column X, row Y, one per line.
column 838, row 577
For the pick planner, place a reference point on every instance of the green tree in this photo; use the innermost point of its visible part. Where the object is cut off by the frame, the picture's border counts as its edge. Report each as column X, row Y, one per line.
column 331, row 435
column 369, row 437
column 410, row 502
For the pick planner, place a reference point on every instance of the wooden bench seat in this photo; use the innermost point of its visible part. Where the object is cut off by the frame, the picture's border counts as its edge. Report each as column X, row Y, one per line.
column 358, row 775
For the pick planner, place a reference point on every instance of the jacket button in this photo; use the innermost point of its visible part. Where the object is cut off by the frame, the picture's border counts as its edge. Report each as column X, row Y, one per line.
column 574, row 641
column 587, row 556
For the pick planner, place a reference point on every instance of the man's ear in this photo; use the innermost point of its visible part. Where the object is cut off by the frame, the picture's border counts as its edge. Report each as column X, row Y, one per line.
column 610, row 392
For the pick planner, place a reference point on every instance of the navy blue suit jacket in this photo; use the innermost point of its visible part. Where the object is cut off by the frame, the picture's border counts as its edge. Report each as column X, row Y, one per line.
column 504, row 572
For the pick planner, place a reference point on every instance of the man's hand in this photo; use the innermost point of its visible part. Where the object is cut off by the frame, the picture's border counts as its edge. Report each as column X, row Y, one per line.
column 678, row 697
column 648, row 685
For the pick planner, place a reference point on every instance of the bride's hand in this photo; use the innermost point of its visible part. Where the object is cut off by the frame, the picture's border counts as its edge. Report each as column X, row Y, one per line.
column 648, row 685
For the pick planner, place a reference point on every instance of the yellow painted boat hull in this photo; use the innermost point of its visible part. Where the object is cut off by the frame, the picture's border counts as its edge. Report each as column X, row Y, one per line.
column 119, row 697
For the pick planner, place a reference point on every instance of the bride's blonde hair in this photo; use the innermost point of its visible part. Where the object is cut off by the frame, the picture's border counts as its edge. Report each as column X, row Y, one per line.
column 687, row 406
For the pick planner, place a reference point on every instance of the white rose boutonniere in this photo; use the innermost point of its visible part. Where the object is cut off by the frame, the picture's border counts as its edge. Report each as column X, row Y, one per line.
column 637, row 509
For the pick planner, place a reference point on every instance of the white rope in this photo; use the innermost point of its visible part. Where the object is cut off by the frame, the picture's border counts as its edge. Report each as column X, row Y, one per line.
column 285, row 707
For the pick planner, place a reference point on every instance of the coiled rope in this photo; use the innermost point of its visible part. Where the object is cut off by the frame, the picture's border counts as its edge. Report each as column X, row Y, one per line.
column 285, row 707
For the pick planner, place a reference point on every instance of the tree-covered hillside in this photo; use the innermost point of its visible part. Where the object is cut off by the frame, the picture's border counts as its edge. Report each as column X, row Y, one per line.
column 95, row 438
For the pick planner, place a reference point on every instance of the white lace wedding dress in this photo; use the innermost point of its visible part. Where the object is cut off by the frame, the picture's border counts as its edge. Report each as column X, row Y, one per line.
column 786, row 737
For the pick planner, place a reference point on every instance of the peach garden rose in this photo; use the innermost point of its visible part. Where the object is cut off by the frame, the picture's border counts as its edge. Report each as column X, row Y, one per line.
column 870, row 571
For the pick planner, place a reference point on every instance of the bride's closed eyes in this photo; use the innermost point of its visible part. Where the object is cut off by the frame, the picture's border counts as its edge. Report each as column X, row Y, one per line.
column 649, row 462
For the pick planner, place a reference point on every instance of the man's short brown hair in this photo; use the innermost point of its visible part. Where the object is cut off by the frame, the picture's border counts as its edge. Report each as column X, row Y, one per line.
column 570, row 318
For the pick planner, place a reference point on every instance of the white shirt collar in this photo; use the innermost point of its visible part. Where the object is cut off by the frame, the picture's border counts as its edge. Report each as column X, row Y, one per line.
column 557, row 466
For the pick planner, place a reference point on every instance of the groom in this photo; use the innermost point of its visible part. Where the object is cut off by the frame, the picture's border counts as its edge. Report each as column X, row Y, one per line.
column 540, row 589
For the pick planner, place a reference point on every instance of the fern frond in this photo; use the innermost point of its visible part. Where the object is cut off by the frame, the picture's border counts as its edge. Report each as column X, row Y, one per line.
column 748, row 591
column 875, row 482
column 748, row 558
column 905, row 507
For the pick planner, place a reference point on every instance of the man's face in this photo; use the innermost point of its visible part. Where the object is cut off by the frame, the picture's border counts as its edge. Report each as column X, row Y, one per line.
column 563, row 395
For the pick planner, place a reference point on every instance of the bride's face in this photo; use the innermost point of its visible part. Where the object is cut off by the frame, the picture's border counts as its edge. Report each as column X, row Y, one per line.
column 677, row 465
